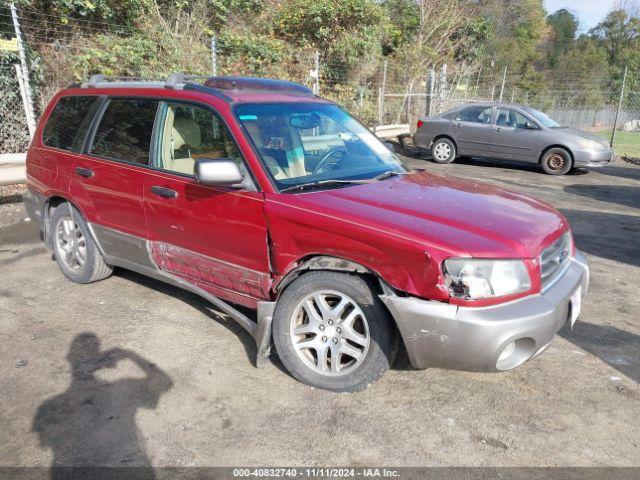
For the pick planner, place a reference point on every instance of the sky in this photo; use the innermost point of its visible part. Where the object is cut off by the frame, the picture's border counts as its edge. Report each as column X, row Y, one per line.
column 589, row 12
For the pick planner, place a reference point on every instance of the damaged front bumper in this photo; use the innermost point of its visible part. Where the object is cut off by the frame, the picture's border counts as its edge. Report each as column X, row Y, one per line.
column 464, row 338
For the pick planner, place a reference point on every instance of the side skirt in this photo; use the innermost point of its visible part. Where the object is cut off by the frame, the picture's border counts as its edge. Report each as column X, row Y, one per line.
column 133, row 253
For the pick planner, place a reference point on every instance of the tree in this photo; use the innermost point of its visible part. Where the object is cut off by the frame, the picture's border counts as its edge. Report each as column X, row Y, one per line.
column 347, row 33
column 564, row 26
column 619, row 33
column 519, row 26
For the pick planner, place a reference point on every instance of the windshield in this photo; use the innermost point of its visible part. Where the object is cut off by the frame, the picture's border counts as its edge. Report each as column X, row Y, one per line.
column 312, row 143
column 542, row 118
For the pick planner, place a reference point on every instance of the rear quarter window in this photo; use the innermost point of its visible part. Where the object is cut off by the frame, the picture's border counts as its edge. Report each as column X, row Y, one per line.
column 69, row 122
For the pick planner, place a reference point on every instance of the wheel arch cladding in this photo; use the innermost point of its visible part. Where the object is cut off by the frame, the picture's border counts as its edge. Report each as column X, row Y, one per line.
column 316, row 262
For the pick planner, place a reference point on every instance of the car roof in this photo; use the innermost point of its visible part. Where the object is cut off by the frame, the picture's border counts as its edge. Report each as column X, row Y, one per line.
column 490, row 104
column 227, row 88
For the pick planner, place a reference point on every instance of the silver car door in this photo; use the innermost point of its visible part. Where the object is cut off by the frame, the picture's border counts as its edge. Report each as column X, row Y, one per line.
column 515, row 137
column 471, row 128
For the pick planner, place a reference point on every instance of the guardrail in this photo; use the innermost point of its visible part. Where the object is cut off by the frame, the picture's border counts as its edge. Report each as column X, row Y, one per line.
column 12, row 168
column 397, row 130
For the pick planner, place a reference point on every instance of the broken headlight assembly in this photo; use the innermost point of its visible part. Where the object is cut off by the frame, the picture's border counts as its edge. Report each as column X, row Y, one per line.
column 475, row 279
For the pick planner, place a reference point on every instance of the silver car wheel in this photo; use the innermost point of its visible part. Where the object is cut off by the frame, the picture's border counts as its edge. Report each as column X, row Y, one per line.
column 330, row 333
column 442, row 151
column 71, row 246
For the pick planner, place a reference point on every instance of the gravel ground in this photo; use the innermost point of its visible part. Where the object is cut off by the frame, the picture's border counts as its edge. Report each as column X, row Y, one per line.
column 185, row 393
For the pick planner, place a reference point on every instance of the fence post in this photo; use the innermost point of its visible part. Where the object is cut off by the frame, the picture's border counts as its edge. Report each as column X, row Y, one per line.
column 381, row 93
column 28, row 96
column 504, row 78
column 442, row 87
column 475, row 90
column 315, row 73
column 615, row 121
column 431, row 83
column 214, row 57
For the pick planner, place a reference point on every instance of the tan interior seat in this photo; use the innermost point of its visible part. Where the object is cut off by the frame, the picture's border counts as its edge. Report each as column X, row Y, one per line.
column 185, row 136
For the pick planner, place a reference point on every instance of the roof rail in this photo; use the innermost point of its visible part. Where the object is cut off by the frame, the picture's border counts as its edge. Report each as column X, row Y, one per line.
column 100, row 79
column 214, row 85
column 178, row 78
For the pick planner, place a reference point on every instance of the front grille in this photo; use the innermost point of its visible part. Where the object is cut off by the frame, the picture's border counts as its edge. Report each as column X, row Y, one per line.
column 554, row 258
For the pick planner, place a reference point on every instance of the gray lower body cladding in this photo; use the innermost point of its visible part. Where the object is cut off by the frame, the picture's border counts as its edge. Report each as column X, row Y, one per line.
column 448, row 336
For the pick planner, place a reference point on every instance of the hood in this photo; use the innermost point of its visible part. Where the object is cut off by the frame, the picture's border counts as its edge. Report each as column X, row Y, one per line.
column 459, row 216
column 582, row 134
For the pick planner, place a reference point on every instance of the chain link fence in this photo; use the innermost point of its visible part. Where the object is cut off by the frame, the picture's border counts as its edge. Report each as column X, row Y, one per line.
column 14, row 131
column 378, row 91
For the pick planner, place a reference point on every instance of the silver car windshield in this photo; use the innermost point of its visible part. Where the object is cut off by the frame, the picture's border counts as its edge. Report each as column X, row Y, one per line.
column 542, row 118
column 303, row 143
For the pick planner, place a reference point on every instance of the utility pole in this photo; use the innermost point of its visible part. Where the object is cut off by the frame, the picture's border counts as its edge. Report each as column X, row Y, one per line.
column 504, row 78
column 615, row 121
column 214, row 57
column 28, row 107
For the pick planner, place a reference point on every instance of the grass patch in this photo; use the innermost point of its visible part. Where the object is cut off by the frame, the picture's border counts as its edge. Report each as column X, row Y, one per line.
column 626, row 144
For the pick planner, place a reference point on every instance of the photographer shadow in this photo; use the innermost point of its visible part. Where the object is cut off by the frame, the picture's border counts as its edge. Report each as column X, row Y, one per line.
column 91, row 427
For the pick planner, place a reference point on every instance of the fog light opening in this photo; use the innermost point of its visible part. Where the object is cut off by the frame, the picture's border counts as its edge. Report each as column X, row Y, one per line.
column 507, row 352
column 515, row 353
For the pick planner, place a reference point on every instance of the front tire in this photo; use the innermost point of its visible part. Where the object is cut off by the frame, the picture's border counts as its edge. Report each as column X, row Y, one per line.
column 443, row 150
column 331, row 331
column 74, row 249
column 556, row 161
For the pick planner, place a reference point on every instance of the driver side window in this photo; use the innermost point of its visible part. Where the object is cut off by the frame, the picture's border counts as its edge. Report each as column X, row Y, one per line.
column 189, row 132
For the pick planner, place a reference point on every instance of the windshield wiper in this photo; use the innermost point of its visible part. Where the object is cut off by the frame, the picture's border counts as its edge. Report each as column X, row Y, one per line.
column 331, row 183
column 388, row 174
column 323, row 183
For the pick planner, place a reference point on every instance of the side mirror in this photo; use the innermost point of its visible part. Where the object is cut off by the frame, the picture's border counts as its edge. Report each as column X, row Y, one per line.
column 217, row 171
column 530, row 126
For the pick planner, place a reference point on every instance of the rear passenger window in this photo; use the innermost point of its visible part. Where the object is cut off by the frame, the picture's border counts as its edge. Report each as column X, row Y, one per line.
column 125, row 130
column 475, row 115
column 68, row 123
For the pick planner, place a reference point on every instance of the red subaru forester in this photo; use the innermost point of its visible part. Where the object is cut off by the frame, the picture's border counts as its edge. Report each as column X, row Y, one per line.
column 256, row 192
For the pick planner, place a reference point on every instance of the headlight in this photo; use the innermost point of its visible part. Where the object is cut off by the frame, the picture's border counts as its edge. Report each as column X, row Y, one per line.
column 474, row 279
column 585, row 143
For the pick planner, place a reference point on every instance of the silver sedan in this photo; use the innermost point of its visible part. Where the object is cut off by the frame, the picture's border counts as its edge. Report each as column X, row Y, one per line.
column 510, row 132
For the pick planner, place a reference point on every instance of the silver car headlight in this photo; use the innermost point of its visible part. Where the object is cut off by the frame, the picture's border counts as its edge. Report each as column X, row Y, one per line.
column 474, row 279
column 586, row 143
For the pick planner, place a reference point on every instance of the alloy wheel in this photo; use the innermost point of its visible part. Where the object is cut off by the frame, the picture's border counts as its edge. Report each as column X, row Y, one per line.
column 71, row 246
column 329, row 333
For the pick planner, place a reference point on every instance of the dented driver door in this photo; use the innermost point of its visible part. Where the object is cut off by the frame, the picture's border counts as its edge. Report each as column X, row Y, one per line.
column 214, row 237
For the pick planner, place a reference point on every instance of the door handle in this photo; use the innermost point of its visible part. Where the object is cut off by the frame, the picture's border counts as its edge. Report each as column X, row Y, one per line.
column 84, row 172
column 164, row 192
column 498, row 129
column 458, row 124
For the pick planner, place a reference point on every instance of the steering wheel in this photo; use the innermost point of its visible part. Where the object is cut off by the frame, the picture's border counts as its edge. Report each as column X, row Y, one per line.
column 327, row 159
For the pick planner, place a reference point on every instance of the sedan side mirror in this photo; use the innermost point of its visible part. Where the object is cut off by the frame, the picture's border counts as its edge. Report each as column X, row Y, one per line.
column 217, row 171
column 531, row 126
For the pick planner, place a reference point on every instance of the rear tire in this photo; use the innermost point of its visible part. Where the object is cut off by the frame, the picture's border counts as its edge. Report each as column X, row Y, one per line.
column 331, row 331
column 556, row 161
column 443, row 150
column 73, row 247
